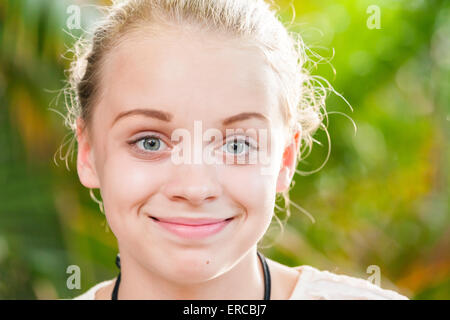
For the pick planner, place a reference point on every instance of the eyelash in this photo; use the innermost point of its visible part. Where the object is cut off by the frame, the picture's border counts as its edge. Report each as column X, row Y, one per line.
column 155, row 136
column 134, row 143
column 245, row 140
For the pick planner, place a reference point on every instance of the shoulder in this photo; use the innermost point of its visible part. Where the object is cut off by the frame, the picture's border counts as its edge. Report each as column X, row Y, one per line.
column 90, row 294
column 314, row 284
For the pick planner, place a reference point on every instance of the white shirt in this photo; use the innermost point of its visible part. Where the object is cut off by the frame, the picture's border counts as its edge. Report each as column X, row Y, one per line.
column 313, row 284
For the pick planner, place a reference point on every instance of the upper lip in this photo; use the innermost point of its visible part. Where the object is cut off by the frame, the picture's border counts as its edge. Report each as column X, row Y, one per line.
column 191, row 221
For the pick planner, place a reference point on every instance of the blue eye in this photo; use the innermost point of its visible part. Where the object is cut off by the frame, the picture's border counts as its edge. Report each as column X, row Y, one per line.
column 150, row 143
column 237, row 146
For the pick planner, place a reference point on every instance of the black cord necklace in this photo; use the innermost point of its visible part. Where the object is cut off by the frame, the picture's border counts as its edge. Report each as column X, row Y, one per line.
column 266, row 271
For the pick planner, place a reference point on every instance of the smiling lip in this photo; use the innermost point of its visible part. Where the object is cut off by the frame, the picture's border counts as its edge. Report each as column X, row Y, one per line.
column 192, row 228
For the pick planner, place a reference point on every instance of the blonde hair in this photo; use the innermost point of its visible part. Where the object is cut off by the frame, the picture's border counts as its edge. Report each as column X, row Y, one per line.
column 302, row 96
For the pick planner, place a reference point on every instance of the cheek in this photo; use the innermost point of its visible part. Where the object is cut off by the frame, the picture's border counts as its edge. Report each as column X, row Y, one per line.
column 125, row 186
column 248, row 185
column 253, row 191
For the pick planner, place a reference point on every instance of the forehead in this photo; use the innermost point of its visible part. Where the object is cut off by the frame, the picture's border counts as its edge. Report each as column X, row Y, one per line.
column 191, row 75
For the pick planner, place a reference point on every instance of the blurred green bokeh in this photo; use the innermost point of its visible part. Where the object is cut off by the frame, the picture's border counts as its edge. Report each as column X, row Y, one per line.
column 381, row 199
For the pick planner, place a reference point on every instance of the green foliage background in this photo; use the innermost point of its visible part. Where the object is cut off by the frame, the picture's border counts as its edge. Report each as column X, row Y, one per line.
column 381, row 199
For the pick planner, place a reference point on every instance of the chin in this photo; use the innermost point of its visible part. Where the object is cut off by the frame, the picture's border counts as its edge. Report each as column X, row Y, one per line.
column 192, row 269
column 189, row 277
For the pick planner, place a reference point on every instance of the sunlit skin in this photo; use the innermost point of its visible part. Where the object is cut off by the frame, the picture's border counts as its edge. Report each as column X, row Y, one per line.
column 191, row 77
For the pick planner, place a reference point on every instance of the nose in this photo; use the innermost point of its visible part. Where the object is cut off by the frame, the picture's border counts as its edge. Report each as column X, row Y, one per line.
column 192, row 183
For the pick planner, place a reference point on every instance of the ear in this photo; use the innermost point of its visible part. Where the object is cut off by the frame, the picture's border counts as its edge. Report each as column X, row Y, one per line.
column 289, row 162
column 85, row 158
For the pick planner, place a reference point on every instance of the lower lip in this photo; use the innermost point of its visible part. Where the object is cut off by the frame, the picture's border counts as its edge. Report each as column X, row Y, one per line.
column 193, row 231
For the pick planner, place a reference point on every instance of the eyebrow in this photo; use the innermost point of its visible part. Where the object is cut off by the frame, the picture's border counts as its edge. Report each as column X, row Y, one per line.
column 151, row 113
column 244, row 116
column 167, row 117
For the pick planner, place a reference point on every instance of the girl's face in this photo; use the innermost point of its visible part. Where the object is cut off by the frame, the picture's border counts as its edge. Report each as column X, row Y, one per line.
column 153, row 86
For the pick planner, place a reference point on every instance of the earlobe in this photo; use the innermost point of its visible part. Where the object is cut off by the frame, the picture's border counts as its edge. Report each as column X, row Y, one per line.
column 85, row 160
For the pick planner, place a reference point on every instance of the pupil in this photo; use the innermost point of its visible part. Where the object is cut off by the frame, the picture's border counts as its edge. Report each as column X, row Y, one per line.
column 151, row 143
column 236, row 147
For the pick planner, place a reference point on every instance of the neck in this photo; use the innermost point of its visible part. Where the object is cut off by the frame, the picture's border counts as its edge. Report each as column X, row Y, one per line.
column 245, row 280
